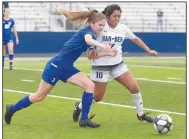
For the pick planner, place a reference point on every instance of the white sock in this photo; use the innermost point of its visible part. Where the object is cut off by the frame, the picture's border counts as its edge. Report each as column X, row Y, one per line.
column 80, row 104
column 137, row 99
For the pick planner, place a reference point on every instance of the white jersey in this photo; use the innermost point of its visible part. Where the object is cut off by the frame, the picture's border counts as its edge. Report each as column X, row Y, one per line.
column 115, row 38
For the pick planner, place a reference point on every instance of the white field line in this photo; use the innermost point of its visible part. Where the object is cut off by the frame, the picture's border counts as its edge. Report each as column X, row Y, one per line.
column 105, row 103
column 173, row 78
column 160, row 81
column 158, row 67
column 132, row 57
column 37, row 59
column 142, row 79
column 24, row 80
column 25, row 69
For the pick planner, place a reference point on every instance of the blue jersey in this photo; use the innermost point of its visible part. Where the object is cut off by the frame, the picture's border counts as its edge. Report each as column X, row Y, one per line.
column 76, row 45
column 60, row 67
column 7, row 29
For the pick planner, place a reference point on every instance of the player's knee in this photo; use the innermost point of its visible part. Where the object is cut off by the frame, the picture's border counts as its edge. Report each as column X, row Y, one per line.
column 89, row 86
column 11, row 52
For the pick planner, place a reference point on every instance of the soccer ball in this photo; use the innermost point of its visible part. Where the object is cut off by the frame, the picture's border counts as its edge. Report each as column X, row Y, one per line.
column 163, row 123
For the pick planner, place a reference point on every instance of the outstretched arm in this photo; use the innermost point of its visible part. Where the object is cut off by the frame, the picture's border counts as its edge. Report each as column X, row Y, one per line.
column 90, row 41
column 142, row 45
column 94, row 54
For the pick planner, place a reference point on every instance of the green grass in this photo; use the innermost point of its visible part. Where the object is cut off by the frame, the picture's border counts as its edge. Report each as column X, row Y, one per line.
column 52, row 118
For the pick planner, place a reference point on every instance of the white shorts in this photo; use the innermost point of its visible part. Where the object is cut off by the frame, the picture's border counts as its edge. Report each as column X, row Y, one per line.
column 102, row 73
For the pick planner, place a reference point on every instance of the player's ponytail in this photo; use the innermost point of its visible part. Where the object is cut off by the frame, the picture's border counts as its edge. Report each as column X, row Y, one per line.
column 77, row 16
column 86, row 16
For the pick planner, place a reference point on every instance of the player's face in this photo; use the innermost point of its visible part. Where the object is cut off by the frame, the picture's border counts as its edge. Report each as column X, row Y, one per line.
column 6, row 12
column 98, row 26
column 114, row 18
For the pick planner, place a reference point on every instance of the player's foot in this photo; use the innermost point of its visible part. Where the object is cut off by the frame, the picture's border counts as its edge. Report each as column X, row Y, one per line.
column 10, row 67
column 145, row 117
column 88, row 123
column 8, row 114
column 76, row 112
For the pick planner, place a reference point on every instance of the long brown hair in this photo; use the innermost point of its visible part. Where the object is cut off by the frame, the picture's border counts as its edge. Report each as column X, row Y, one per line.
column 87, row 16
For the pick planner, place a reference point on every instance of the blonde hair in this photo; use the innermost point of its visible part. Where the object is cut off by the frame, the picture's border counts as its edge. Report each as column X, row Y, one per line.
column 87, row 16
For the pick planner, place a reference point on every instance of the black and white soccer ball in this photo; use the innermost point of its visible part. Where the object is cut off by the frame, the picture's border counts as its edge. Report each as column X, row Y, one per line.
column 163, row 123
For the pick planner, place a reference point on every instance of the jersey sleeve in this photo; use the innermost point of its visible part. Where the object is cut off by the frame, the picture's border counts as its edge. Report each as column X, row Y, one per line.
column 128, row 33
column 89, row 32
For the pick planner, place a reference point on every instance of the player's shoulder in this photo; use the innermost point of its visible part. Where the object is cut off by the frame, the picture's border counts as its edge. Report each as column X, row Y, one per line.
column 11, row 20
column 87, row 30
column 120, row 25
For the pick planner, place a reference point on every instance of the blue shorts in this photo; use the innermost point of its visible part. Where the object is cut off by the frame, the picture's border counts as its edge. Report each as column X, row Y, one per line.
column 5, row 42
column 53, row 73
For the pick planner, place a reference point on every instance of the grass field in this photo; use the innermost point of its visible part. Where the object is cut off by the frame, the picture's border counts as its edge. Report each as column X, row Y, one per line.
column 162, row 82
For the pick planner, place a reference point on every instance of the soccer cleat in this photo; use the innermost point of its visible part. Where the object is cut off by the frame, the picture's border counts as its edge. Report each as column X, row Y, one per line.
column 76, row 112
column 88, row 123
column 8, row 114
column 145, row 117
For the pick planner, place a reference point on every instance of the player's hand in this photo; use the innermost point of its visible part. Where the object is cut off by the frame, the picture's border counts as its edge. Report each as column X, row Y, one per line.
column 17, row 41
column 91, row 54
column 106, row 47
column 113, row 52
column 153, row 53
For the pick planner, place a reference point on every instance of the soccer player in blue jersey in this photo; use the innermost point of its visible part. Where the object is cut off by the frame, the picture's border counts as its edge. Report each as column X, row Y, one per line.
column 8, row 25
column 61, row 67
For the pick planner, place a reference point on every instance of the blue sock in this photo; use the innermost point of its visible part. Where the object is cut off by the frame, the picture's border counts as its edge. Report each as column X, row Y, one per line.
column 11, row 58
column 86, row 104
column 3, row 61
column 23, row 103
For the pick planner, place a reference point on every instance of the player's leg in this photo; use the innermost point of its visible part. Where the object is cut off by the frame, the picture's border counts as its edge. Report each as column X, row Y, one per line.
column 100, row 77
column 49, row 78
column 4, row 53
column 127, row 80
column 100, row 89
column 11, row 54
column 39, row 95
column 99, row 92
column 81, row 80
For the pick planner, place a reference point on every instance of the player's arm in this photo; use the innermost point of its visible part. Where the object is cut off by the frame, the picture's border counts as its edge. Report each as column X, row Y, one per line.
column 15, row 34
column 138, row 41
column 142, row 45
column 94, row 54
column 90, row 41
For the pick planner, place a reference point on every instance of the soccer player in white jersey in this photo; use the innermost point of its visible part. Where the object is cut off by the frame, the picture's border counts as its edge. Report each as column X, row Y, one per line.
column 114, row 34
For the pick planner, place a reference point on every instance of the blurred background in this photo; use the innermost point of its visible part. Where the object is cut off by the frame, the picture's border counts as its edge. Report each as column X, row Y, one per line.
column 43, row 30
